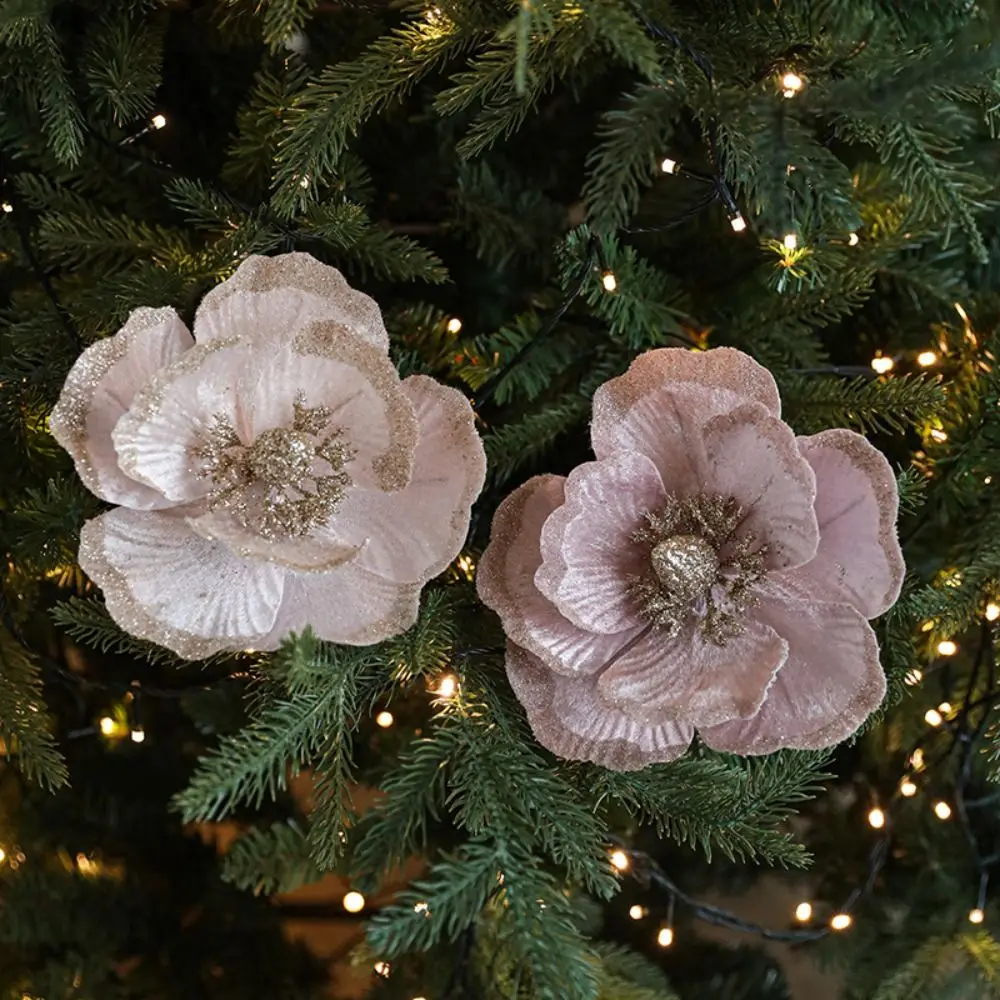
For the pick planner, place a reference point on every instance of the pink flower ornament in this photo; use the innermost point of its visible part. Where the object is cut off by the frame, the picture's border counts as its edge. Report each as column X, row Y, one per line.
column 272, row 471
column 709, row 572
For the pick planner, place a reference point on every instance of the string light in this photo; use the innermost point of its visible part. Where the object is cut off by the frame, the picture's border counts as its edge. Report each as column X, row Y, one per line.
column 882, row 364
column 841, row 921
column 382, row 969
column 7, row 207
column 620, row 861
column 454, row 325
column 938, row 435
column 917, row 759
column 637, row 912
column 876, row 819
column 792, row 84
column 913, row 677
column 976, row 916
column 108, row 726
column 853, row 240
column 158, row 121
column 907, row 788
column 992, row 612
column 384, row 719
column 3, row 855
column 138, row 735
column 926, row 358
column 933, row 717
column 790, row 241
column 467, row 566
column 354, row 902
column 803, row 913
column 665, row 938
column 738, row 223
column 669, row 166
column 945, row 708
column 609, row 281
column 447, row 686
column 988, row 480
column 942, row 810
column 947, row 648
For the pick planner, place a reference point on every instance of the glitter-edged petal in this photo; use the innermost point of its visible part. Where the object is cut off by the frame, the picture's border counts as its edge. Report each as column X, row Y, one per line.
column 689, row 679
column 859, row 560
column 280, row 296
column 505, row 579
column 164, row 583
column 659, row 404
column 567, row 716
column 347, row 605
column 754, row 457
column 411, row 536
column 99, row 389
column 829, row 685
column 589, row 559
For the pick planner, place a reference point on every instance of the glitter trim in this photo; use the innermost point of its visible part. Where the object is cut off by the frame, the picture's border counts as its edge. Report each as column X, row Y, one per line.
column 327, row 339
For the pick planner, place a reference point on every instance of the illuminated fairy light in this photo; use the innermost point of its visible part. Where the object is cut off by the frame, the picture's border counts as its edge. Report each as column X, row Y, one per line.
column 992, row 612
column 938, row 435
column 988, row 480
column 3, row 855
column 609, row 281
column 876, row 819
column 447, row 686
column 354, row 902
column 927, row 358
column 637, row 912
column 907, row 788
column 382, row 969
column 841, row 921
column 933, row 717
column 138, row 735
column 454, row 325
column 665, row 938
column 790, row 241
column 7, row 207
column 791, row 84
column 882, row 364
column 976, row 916
column 108, row 726
column 158, row 122
column 942, row 810
column 803, row 913
column 738, row 223
column 917, row 759
column 913, row 677
column 422, row 907
column 384, row 719
column 853, row 240
column 947, row 648
column 620, row 861
column 668, row 166
column 945, row 708
column 304, row 181
column 466, row 565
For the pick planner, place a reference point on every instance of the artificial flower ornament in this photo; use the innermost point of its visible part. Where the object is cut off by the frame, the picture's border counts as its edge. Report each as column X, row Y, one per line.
column 710, row 572
column 272, row 471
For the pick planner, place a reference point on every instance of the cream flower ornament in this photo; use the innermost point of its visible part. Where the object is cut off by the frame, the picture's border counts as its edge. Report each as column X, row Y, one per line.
column 709, row 572
column 272, row 471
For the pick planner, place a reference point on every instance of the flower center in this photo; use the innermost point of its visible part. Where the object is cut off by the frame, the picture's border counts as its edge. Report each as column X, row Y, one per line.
column 287, row 482
column 701, row 570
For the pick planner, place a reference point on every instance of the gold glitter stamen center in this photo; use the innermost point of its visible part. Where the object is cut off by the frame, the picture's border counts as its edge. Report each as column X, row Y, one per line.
column 699, row 568
column 287, row 482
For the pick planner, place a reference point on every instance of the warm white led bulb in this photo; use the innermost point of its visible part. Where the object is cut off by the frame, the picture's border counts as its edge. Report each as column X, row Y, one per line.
column 609, row 281
column 803, row 912
column 620, row 861
column 738, row 223
column 976, row 916
column 637, row 912
column 7, row 207
column 790, row 241
column 382, row 969
column 926, row 358
column 384, row 719
column 933, row 717
column 792, row 83
column 158, row 121
column 947, row 648
column 668, row 166
column 882, row 364
column 942, row 810
column 447, row 686
column 354, row 902
column 876, row 819
column 665, row 938
column 992, row 612
column 138, row 735
column 907, row 788
column 108, row 725
column 454, row 325
column 841, row 921
column 913, row 677
column 853, row 240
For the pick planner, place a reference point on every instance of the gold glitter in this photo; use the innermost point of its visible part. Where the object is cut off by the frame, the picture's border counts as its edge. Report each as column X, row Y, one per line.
column 698, row 566
column 275, row 487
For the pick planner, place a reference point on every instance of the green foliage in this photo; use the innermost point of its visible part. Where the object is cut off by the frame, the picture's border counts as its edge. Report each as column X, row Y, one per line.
column 24, row 726
column 271, row 859
column 625, row 975
column 948, row 967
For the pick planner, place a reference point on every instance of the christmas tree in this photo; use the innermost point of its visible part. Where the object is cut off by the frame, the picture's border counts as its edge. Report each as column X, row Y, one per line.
column 497, row 539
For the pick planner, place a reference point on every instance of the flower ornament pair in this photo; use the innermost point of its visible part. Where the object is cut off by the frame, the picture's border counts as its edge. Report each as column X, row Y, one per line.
column 709, row 572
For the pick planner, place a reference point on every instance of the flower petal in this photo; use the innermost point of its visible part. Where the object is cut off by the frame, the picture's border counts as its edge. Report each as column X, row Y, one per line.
column 505, row 580
column 689, row 679
column 859, row 560
column 829, row 685
column 164, row 583
column 283, row 295
column 347, row 605
column 657, row 407
column 568, row 716
column 754, row 457
column 99, row 389
column 589, row 559
column 412, row 535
